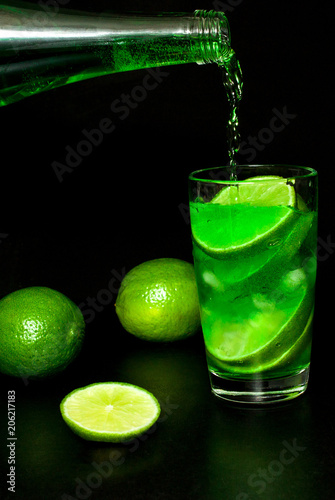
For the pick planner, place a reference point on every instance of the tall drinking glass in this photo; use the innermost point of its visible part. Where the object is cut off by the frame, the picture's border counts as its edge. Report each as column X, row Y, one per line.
column 254, row 247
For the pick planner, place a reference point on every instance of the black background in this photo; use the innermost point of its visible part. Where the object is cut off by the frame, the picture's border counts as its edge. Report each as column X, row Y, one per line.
column 126, row 202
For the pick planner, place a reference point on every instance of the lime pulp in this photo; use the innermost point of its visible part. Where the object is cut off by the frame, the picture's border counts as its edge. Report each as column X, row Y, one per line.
column 261, row 202
column 109, row 411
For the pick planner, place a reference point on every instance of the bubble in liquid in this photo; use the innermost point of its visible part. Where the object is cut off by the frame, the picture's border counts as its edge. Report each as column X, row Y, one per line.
column 274, row 243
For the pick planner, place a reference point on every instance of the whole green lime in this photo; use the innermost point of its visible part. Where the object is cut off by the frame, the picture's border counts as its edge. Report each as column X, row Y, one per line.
column 41, row 332
column 158, row 300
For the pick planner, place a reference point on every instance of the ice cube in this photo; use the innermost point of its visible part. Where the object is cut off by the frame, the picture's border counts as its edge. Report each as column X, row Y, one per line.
column 263, row 302
column 294, row 279
column 211, row 280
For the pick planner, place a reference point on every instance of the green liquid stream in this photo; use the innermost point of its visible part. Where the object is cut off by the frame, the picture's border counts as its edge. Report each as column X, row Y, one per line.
column 233, row 84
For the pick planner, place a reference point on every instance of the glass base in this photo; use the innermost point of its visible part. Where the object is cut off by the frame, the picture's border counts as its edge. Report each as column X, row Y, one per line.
column 260, row 390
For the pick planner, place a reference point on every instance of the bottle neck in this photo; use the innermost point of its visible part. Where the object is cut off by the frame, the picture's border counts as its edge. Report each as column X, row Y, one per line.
column 214, row 33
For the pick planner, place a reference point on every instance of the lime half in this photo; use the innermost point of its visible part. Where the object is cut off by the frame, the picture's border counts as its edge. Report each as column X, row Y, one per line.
column 109, row 411
column 247, row 217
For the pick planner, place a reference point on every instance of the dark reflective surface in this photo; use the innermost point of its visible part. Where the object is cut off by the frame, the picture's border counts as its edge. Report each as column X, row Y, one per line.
column 201, row 447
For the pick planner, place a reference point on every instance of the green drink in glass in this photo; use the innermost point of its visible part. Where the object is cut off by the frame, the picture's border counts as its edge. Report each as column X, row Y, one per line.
column 254, row 246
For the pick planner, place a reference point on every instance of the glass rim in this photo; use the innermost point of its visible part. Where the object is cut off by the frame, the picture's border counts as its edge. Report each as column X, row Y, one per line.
column 306, row 173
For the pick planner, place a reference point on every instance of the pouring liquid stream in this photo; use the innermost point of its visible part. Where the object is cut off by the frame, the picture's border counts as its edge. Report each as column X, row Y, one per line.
column 233, row 84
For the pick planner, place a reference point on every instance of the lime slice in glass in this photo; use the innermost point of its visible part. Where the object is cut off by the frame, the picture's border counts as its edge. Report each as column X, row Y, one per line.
column 263, row 339
column 110, row 411
column 245, row 218
column 267, row 191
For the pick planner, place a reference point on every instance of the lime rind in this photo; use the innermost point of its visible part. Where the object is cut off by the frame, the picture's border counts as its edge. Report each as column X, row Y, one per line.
column 298, row 352
column 274, row 350
column 158, row 301
column 41, row 332
column 268, row 269
column 110, row 411
column 263, row 240
column 271, row 191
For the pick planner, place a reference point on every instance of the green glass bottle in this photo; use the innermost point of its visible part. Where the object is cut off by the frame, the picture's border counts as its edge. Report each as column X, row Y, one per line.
column 42, row 50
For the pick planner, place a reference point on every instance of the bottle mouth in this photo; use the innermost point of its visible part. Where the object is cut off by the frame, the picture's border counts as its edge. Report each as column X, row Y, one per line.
column 215, row 33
